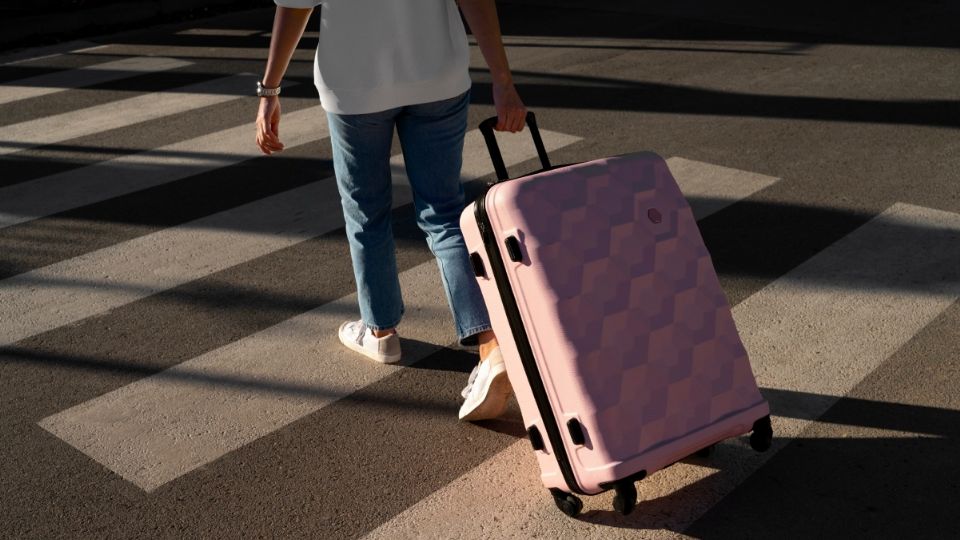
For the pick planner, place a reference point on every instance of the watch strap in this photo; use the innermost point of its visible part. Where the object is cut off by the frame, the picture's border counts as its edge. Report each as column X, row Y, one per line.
column 263, row 91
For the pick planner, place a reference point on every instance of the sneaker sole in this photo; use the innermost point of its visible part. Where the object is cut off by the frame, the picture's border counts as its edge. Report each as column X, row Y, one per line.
column 495, row 400
column 382, row 359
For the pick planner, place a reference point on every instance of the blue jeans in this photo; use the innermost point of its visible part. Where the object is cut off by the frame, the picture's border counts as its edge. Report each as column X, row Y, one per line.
column 431, row 135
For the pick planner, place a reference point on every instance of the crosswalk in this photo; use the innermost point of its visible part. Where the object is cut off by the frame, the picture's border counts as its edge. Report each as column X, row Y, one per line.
column 34, row 199
column 293, row 367
column 58, row 81
column 127, row 112
column 217, row 399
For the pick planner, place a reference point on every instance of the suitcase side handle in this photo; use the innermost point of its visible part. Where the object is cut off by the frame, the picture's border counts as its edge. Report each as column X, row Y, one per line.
column 486, row 128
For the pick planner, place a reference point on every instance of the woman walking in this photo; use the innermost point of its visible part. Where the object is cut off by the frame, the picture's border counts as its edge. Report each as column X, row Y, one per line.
column 400, row 64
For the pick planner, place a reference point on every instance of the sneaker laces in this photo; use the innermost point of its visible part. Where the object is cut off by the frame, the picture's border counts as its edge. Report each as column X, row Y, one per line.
column 470, row 381
column 359, row 328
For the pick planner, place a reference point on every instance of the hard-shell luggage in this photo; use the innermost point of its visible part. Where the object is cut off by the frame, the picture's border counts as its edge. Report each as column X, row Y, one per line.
column 618, row 340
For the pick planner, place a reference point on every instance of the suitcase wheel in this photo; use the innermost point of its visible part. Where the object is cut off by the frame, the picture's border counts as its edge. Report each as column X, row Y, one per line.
column 568, row 503
column 625, row 499
column 762, row 436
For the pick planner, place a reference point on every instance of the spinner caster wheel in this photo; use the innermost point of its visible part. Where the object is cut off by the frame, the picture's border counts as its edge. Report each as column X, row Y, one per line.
column 762, row 436
column 568, row 503
column 625, row 499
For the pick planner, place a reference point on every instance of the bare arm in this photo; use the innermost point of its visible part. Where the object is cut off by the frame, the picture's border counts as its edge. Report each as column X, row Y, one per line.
column 288, row 27
column 481, row 16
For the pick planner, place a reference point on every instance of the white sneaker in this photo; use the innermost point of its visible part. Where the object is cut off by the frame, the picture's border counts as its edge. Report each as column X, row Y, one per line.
column 357, row 336
column 469, row 348
column 488, row 391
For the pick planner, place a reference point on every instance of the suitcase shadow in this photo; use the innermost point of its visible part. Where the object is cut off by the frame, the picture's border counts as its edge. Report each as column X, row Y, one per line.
column 659, row 513
column 863, row 469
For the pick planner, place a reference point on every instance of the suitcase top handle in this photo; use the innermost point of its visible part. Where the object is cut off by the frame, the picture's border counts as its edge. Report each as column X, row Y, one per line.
column 486, row 128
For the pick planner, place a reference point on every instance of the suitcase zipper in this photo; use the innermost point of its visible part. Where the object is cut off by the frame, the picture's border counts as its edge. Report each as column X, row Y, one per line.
column 523, row 343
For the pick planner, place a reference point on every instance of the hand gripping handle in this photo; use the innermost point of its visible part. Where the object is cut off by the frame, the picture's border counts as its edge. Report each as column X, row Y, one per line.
column 486, row 128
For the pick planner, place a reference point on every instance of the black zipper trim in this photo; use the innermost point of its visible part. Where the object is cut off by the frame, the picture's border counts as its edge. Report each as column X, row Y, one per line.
column 523, row 344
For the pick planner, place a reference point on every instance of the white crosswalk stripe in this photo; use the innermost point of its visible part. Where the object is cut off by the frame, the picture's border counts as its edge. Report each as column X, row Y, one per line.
column 713, row 187
column 127, row 112
column 87, row 185
column 58, row 81
column 218, row 32
column 32, row 55
column 186, row 51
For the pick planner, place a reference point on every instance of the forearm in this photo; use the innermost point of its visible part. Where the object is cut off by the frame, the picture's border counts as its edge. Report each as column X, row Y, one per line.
column 481, row 17
column 288, row 27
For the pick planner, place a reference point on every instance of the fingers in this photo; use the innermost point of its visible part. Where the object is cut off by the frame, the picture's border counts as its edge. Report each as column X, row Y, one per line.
column 519, row 120
column 512, row 120
column 267, row 139
column 511, row 113
column 268, row 128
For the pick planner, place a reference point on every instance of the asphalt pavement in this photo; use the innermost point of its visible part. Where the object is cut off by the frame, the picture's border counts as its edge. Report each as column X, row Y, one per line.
column 169, row 297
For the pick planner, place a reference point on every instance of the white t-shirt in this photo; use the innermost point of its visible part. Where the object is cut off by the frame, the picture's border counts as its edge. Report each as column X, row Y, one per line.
column 375, row 55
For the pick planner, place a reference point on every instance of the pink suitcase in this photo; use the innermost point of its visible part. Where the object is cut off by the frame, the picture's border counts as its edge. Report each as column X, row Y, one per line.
column 618, row 340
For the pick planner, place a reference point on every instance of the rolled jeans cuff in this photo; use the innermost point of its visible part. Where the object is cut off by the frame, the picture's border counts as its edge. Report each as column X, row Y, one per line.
column 469, row 337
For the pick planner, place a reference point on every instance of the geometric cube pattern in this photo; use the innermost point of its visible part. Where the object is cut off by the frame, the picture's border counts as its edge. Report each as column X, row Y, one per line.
column 644, row 328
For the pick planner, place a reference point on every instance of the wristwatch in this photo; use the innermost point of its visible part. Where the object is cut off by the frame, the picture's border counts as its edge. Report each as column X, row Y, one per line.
column 263, row 91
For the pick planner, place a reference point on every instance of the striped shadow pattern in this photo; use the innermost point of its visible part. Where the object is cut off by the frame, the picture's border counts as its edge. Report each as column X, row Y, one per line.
column 160, row 456
column 99, row 118
column 59, row 81
column 193, row 370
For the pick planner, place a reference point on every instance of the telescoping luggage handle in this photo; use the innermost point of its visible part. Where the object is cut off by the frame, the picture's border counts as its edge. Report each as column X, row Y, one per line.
column 486, row 127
